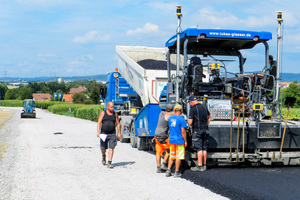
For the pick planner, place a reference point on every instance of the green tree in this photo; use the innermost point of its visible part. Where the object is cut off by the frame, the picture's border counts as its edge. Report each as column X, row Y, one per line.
column 26, row 93
column 94, row 91
column 3, row 89
column 292, row 91
column 46, row 90
column 79, row 98
column 95, row 95
column 12, row 94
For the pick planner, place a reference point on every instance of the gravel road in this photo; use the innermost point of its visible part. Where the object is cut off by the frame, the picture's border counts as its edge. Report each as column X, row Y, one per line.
column 58, row 157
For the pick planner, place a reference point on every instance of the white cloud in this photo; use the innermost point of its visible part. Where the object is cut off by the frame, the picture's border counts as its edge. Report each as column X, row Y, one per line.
column 87, row 57
column 163, row 6
column 254, row 22
column 215, row 18
column 43, row 2
column 223, row 19
column 46, row 55
column 148, row 28
column 92, row 37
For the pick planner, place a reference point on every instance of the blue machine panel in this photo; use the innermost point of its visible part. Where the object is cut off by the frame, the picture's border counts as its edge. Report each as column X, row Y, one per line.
column 146, row 121
column 220, row 33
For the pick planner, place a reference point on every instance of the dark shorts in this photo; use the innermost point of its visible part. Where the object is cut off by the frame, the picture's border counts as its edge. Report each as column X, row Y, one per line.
column 200, row 140
column 110, row 142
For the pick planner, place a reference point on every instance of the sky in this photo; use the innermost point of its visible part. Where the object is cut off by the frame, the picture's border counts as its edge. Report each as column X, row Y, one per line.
column 78, row 37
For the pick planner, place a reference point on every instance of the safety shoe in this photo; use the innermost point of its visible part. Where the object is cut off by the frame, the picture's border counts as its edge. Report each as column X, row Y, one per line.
column 197, row 168
column 164, row 166
column 168, row 173
column 177, row 174
column 159, row 170
column 103, row 161
column 109, row 165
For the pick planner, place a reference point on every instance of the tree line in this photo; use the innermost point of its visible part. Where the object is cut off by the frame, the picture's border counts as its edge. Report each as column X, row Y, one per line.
column 90, row 96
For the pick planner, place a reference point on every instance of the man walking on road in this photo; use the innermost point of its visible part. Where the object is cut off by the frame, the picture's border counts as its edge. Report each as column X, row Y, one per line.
column 177, row 140
column 162, row 140
column 199, row 118
column 106, row 129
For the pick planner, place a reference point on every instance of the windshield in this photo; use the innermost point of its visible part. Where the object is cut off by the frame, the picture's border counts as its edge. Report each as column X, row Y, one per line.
column 29, row 104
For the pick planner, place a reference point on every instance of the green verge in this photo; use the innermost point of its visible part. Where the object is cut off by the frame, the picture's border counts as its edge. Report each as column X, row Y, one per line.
column 89, row 112
column 19, row 103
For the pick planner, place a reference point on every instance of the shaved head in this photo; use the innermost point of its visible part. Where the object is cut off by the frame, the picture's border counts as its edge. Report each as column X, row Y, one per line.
column 110, row 107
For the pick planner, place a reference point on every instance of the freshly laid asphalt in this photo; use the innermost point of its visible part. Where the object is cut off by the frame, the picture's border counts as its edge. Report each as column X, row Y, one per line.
column 250, row 182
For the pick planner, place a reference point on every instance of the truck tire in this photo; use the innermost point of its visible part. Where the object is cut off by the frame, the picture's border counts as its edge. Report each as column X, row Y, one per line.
column 133, row 137
column 123, row 140
column 141, row 143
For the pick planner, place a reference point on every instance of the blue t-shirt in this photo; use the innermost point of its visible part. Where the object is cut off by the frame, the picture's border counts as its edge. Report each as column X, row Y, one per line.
column 175, row 123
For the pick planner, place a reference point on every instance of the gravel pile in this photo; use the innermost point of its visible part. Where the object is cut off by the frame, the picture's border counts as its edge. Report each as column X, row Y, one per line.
column 155, row 64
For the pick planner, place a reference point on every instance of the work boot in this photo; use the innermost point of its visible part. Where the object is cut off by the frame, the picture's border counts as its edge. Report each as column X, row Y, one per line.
column 103, row 160
column 177, row 174
column 109, row 165
column 164, row 166
column 159, row 169
column 197, row 168
column 168, row 173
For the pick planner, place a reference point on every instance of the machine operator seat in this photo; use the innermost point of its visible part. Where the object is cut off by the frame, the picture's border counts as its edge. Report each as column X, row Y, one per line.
column 272, row 71
column 195, row 71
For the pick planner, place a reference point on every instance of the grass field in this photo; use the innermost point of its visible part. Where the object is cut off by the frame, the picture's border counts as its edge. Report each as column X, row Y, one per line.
column 294, row 113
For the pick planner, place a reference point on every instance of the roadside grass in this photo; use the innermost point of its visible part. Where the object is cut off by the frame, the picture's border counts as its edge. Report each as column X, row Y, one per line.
column 89, row 112
column 294, row 113
column 83, row 111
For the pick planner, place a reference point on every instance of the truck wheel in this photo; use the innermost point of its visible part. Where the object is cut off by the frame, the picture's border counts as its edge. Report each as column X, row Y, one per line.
column 124, row 140
column 141, row 143
column 132, row 137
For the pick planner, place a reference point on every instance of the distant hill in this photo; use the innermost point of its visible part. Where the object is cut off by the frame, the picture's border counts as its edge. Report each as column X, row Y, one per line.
column 100, row 77
column 290, row 77
column 286, row 77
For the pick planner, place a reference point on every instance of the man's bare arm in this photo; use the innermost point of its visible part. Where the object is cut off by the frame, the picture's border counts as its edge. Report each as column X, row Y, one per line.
column 118, row 126
column 100, row 118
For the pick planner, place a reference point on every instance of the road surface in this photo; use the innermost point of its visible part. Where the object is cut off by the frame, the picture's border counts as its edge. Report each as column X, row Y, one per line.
column 58, row 157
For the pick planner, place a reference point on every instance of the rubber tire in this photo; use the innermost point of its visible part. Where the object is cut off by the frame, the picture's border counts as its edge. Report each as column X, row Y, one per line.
column 133, row 138
column 124, row 140
column 141, row 143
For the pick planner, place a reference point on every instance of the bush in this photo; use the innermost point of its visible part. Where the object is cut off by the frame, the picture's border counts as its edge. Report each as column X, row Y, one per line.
column 89, row 112
column 63, row 107
column 45, row 104
column 88, row 101
column 11, row 103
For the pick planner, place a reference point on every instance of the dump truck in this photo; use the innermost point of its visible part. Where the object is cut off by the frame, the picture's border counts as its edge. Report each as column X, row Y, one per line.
column 28, row 110
column 135, row 89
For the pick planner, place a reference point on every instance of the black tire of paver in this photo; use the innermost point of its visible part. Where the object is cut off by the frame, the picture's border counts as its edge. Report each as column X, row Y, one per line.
column 141, row 143
column 132, row 137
